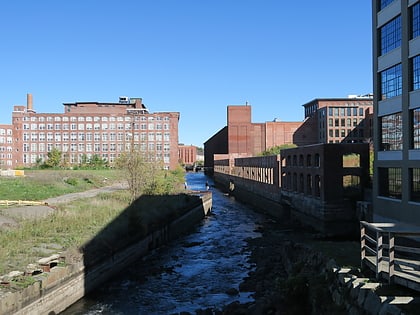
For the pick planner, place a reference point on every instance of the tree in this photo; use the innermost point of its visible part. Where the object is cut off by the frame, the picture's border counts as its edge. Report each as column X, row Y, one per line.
column 54, row 158
column 145, row 175
column 276, row 149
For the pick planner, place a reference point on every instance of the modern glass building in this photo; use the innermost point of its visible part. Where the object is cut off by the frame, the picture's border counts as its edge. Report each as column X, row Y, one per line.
column 396, row 83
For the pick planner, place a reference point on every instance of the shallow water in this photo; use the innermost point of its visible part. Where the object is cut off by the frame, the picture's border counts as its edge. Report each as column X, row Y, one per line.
column 193, row 272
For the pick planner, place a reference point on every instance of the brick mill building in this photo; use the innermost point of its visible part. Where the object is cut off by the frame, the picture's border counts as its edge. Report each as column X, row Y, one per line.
column 86, row 129
column 339, row 120
column 187, row 154
column 326, row 120
column 243, row 138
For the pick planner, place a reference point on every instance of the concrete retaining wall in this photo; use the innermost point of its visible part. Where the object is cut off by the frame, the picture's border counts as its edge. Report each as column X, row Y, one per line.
column 66, row 283
column 264, row 197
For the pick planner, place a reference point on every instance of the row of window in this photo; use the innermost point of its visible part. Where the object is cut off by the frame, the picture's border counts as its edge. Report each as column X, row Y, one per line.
column 346, row 111
column 309, row 161
column 4, row 132
column 97, row 126
column 311, row 185
column 95, row 119
column 343, row 133
column 6, row 140
column 75, row 158
column 390, row 183
column 97, row 136
column 391, row 79
column 384, row 3
column 391, row 130
column 95, row 147
column 343, row 122
column 390, row 34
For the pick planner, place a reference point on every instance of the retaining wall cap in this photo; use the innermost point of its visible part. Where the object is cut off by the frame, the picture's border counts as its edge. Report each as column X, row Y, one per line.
column 358, row 282
column 370, row 286
column 399, row 299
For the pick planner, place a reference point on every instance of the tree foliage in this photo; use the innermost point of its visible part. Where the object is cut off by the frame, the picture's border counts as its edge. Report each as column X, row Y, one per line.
column 145, row 175
column 276, row 149
column 54, row 158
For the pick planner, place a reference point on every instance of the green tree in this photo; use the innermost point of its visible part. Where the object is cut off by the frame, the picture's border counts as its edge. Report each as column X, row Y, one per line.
column 276, row 149
column 145, row 175
column 96, row 162
column 54, row 158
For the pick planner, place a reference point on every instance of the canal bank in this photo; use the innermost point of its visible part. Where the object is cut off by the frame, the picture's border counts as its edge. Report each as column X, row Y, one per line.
column 60, row 280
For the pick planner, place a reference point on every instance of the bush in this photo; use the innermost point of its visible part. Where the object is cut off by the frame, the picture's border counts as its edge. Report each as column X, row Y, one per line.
column 71, row 181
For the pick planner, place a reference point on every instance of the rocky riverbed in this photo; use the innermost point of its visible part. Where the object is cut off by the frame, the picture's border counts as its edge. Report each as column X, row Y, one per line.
column 289, row 277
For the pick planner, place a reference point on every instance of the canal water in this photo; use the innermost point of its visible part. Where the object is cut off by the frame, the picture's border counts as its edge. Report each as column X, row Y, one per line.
column 197, row 271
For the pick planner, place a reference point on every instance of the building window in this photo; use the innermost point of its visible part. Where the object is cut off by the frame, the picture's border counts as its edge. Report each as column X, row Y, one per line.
column 384, row 3
column 415, row 128
column 415, row 20
column 391, row 82
column 390, row 35
column 390, row 180
column 391, row 132
column 415, row 70
column 415, row 184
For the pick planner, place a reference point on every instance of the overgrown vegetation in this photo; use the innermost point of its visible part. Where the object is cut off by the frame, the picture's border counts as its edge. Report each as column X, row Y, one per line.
column 74, row 223
column 70, row 225
column 144, row 175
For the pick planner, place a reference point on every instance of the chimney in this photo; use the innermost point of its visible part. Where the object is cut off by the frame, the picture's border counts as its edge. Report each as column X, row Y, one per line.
column 29, row 107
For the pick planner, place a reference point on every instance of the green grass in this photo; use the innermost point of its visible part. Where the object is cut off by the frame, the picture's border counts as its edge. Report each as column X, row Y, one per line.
column 71, row 225
column 38, row 185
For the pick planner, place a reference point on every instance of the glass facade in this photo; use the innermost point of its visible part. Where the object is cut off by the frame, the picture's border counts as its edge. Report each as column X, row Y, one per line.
column 390, row 180
column 384, row 3
column 415, row 128
column 391, row 82
column 390, row 35
column 415, row 20
column 415, row 66
column 391, row 132
column 415, row 184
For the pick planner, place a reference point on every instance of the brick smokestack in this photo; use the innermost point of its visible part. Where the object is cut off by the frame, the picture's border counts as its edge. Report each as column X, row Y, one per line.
column 29, row 104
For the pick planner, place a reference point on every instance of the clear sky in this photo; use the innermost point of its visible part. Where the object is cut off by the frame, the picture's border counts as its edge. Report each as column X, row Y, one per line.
column 195, row 57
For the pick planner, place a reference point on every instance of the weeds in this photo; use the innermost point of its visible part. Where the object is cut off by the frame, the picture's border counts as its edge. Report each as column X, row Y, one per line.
column 72, row 224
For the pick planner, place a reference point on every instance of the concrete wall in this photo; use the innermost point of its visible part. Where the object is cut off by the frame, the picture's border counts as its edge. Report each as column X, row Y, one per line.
column 309, row 182
column 62, row 286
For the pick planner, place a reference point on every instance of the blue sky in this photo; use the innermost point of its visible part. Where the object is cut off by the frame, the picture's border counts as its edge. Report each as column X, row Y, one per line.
column 193, row 57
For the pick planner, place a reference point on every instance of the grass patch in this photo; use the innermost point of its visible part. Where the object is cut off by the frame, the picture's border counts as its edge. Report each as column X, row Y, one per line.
column 71, row 225
column 43, row 184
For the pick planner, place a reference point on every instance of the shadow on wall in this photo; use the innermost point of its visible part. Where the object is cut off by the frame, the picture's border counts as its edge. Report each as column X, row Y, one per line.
column 140, row 227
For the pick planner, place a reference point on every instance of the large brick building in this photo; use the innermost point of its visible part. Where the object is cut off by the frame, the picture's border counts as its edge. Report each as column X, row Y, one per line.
column 243, row 138
column 86, row 129
column 187, row 154
column 339, row 120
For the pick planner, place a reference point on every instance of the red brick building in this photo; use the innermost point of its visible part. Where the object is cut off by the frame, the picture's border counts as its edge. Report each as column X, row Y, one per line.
column 86, row 129
column 187, row 154
column 339, row 120
column 241, row 137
